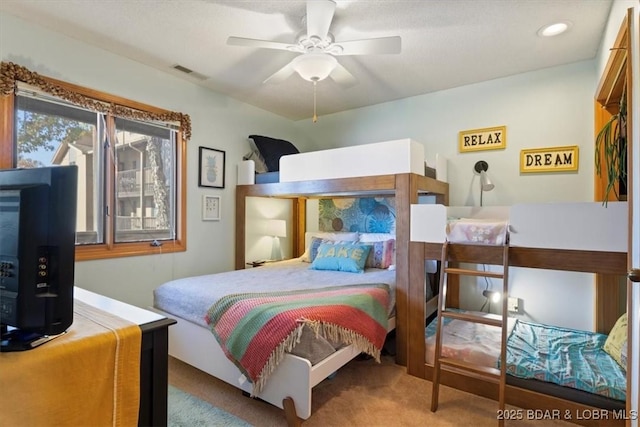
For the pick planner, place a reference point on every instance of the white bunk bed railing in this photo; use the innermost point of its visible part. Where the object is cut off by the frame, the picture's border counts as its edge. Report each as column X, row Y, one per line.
column 587, row 226
column 380, row 158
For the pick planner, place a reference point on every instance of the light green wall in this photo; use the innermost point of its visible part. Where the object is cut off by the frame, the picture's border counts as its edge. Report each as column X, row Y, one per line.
column 546, row 108
column 549, row 107
column 218, row 122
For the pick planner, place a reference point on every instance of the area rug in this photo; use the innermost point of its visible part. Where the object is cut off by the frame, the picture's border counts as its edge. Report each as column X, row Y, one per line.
column 186, row 410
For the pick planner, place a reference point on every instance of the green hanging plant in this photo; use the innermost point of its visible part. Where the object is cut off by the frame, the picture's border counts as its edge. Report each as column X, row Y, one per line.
column 611, row 141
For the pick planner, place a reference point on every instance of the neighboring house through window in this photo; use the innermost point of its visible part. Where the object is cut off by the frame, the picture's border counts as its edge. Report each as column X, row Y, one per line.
column 131, row 186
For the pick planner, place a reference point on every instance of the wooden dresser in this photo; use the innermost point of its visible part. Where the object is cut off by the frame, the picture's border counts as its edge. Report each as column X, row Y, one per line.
column 153, row 358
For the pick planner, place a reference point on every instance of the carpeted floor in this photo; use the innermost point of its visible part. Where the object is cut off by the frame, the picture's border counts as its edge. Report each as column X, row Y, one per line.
column 363, row 393
column 186, row 410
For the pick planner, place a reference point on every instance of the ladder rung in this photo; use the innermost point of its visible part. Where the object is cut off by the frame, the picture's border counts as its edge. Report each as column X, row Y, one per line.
column 459, row 366
column 486, row 372
column 464, row 272
column 484, row 318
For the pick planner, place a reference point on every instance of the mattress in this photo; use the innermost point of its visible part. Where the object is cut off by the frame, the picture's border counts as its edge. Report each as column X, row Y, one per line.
column 472, row 342
column 267, row 177
column 566, row 357
column 191, row 297
column 559, row 361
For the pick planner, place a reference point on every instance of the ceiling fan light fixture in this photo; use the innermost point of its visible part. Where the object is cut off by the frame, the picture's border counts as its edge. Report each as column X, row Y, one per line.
column 314, row 66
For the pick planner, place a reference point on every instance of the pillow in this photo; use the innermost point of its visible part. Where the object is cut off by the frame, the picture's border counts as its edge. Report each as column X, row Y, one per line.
column 616, row 343
column 336, row 236
column 375, row 237
column 380, row 237
column 381, row 254
column 349, row 257
column 261, row 167
column 272, row 149
column 312, row 251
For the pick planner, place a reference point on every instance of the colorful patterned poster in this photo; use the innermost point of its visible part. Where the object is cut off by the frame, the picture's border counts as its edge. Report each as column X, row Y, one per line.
column 365, row 215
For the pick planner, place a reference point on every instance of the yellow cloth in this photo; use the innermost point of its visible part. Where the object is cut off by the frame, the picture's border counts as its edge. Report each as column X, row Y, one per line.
column 89, row 376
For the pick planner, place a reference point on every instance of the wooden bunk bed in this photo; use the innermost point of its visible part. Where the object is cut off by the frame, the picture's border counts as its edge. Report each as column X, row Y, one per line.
column 290, row 385
column 404, row 187
column 404, row 159
column 607, row 262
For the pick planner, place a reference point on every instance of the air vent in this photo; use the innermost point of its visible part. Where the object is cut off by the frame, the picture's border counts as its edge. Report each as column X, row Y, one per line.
column 190, row 72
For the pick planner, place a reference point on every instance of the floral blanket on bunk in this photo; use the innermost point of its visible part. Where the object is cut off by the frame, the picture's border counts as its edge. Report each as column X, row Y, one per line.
column 564, row 356
column 256, row 329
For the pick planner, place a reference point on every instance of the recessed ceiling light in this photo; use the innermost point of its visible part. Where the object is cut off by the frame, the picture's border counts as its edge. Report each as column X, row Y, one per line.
column 554, row 29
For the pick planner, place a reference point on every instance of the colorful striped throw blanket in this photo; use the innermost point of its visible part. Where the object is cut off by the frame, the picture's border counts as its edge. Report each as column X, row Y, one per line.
column 256, row 329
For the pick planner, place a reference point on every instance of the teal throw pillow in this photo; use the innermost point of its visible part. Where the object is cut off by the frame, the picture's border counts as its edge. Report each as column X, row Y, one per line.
column 349, row 257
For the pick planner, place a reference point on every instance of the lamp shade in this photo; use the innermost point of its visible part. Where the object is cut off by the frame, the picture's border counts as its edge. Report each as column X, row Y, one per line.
column 314, row 66
column 485, row 182
column 276, row 228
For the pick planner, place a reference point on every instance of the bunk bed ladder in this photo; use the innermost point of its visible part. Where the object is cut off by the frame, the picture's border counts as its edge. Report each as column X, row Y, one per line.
column 497, row 376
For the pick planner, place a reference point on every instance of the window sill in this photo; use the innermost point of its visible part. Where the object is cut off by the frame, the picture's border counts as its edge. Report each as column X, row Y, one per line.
column 94, row 252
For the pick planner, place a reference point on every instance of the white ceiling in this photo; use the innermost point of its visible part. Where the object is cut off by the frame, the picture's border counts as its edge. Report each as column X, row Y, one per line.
column 445, row 43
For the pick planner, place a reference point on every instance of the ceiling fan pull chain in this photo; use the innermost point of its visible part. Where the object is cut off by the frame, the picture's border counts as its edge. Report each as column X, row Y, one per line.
column 315, row 116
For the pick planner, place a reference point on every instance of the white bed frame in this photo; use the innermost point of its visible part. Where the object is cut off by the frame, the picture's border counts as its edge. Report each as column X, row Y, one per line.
column 293, row 379
column 566, row 225
column 382, row 158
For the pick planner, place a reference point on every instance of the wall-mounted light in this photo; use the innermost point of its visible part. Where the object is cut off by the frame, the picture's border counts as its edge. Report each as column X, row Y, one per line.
column 481, row 167
column 492, row 296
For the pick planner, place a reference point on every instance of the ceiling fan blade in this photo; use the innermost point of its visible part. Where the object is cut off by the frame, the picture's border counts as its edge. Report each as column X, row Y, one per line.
column 381, row 45
column 342, row 76
column 319, row 17
column 281, row 75
column 241, row 41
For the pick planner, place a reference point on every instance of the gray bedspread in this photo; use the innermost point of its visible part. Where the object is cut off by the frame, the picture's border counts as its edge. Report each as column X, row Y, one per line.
column 190, row 298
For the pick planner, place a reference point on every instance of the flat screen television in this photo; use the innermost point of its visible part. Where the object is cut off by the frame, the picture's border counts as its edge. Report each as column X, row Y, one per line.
column 37, row 254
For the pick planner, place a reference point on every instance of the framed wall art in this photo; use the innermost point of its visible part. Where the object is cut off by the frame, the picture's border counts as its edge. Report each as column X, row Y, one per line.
column 493, row 138
column 211, row 168
column 211, row 208
column 550, row 159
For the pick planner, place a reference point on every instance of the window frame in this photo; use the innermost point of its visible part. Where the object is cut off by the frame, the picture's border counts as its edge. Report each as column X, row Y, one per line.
column 108, row 249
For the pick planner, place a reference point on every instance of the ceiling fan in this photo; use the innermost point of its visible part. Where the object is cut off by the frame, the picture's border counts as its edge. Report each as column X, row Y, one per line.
column 318, row 49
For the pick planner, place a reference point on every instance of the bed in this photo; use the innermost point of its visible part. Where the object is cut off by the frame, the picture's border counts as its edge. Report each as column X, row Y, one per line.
column 579, row 237
column 290, row 387
column 189, row 300
column 575, row 364
column 401, row 183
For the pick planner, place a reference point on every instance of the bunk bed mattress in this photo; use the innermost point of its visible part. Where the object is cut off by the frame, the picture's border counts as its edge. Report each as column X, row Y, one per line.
column 471, row 342
column 566, row 357
column 558, row 361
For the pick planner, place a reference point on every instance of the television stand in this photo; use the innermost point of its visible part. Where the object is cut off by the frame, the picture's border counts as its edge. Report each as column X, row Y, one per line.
column 16, row 340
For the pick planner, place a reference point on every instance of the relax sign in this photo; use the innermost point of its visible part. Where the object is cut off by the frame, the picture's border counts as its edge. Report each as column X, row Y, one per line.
column 482, row 139
column 555, row 159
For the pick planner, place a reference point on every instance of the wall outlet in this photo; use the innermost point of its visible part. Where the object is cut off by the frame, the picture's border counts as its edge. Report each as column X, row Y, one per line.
column 513, row 304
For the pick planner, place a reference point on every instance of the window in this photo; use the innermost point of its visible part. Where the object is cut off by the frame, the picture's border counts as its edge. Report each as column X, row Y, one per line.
column 131, row 186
